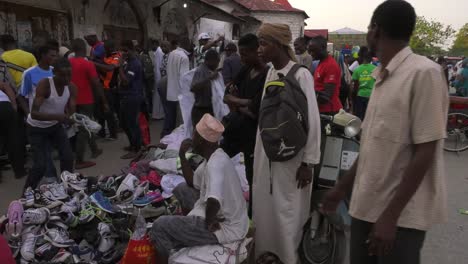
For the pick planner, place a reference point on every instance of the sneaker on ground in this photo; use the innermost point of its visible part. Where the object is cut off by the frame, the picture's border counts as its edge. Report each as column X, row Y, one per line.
column 46, row 252
column 29, row 237
column 83, row 251
column 84, row 164
column 127, row 188
column 42, row 200
column 29, row 197
column 153, row 177
column 87, row 212
column 62, row 256
column 140, row 190
column 108, row 188
column 74, row 181
column 102, row 202
column 114, row 254
column 66, row 218
column 36, row 216
column 71, row 206
column 152, row 212
column 106, row 240
column 15, row 220
column 54, row 191
column 150, row 197
column 58, row 237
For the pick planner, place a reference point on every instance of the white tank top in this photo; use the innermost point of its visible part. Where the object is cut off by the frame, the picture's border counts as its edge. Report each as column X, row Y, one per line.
column 55, row 104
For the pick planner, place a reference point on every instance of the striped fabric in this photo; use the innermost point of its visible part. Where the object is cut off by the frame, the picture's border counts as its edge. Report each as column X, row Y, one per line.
column 408, row 106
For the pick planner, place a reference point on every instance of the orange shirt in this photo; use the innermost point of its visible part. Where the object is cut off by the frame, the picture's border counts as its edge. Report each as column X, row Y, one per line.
column 114, row 59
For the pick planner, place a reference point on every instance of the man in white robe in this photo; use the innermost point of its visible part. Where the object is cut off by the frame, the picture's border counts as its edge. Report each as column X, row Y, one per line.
column 157, row 57
column 281, row 204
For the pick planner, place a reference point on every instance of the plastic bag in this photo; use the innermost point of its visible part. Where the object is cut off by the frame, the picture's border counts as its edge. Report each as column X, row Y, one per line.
column 144, row 128
column 139, row 249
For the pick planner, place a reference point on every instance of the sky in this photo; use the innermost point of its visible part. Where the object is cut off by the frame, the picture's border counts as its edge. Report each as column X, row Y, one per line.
column 356, row 14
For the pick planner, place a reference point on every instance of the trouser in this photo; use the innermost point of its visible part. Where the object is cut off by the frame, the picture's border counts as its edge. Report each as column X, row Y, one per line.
column 129, row 110
column 149, row 85
column 360, row 106
column 9, row 136
column 109, row 116
column 176, row 232
column 406, row 248
column 199, row 112
column 83, row 138
column 41, row 140
column 170, row 113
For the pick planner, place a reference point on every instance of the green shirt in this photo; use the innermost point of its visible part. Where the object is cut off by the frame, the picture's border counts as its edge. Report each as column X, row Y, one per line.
column 363, row 74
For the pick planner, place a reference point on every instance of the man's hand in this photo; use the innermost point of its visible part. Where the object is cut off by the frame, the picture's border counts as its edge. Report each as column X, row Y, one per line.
column 382, row 236
column 185, row 146
column 213, row 225
column 303, row 177
column 221, row 38
column 331, row 200
column 65, row 119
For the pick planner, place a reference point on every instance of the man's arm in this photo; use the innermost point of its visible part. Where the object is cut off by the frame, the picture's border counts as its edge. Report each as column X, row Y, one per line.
column 211, row 44
column 211, row 214
column 186, row 168
column 5, row 87
column 43, row 92
column 331, row 79
column 99, row 90
column 105, row 67
column 200, row 85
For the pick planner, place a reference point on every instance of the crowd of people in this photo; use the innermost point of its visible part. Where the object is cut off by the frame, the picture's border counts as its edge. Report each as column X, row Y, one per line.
column 400, row 167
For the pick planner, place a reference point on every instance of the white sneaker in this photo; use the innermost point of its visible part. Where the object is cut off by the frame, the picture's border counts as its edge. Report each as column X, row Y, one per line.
column 54, row 191
column 36, row 216
column 107, row 240
column 141, row 189
column 127, row 188
column 74, row 205
column 29, row 237
column 29, row 197
column 74, row 181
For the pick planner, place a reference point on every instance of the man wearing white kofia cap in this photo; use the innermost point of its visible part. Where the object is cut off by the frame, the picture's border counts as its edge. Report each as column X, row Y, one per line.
column 220, row 215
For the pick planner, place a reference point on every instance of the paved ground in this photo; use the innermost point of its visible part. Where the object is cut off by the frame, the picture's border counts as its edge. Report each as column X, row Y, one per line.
column 446, row 243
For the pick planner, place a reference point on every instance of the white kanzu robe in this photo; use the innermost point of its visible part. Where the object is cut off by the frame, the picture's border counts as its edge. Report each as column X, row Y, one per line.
column 158, row 110
column 280, row 216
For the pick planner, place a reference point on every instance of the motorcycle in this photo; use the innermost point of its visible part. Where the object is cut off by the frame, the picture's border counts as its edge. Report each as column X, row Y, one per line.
column 325, row 237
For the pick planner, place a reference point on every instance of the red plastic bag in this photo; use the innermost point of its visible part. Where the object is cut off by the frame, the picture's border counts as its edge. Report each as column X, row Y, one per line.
column 144, row 128
column 139, row 252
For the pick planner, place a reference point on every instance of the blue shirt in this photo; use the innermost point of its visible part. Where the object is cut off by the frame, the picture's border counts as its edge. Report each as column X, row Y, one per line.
column 31, row 78
column 134, row 72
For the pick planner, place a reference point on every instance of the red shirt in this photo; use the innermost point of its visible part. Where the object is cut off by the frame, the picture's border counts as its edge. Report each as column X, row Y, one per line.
column 328, row 71
column 83, row 71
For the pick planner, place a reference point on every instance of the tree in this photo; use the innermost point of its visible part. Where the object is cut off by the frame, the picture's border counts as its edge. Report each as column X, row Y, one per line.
column 430, row 36
column 460, row 45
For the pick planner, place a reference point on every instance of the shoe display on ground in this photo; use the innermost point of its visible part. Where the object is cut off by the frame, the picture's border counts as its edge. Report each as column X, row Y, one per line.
column 36, row 216
column 14, row 226
column 83, row 251
column 74, row 181
column 152, row 212
column 62, row 256
column 107, row 238
column 46, row 252
column 141, row 190
column 109, row 187
column 29, row 197
column 29, row 238
column 71, row 206
column 87, row 212
column 153, row 177
column 102, row 202
column 127, row 188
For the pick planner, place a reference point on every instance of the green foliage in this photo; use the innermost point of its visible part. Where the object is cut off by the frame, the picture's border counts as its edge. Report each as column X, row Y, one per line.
column 430, row 36
column 460, row 45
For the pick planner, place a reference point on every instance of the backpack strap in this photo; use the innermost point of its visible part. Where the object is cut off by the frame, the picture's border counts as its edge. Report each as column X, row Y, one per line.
column 15, row 67
column 294, row 69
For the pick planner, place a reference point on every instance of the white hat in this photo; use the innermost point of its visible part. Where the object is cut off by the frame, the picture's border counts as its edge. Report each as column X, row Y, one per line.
column 90, row 32
column 203, row 36
column 210, row 128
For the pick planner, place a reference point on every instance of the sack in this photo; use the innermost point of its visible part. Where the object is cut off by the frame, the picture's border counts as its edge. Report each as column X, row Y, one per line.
column 148, row 69
column 139, row 252
column 144, row 128
column 283, row 119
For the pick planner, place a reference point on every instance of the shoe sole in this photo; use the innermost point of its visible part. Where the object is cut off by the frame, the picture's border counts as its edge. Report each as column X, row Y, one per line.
column 100, row 206
column 48, row 239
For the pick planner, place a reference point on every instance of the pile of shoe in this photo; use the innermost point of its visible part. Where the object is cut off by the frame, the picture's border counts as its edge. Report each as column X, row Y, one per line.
column 81, row 219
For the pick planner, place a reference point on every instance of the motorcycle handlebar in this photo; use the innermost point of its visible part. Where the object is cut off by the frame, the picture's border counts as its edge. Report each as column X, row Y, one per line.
column 326, row 117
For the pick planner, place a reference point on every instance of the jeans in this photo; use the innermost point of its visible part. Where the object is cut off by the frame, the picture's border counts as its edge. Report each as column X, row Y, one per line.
column 360, row 106
column 9, row 136
column 109, row 116
column 170, row 113
column 83, row 138
column 129, row 111
column 41, row 141
column 406, row 248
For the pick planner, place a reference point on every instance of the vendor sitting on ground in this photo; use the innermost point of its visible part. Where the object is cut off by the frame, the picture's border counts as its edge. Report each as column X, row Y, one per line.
column 220, row 214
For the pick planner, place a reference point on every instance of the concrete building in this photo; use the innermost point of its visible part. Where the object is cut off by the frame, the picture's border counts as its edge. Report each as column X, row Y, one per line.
column 347, row 37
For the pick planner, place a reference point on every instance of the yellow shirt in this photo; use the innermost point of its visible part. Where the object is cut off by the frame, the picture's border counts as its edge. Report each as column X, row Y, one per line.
column 408, row 106
column 20, row 58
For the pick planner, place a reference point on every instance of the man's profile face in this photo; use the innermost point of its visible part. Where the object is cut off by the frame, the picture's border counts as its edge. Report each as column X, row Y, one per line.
column 212, row 63
column 248, row 56
column 51, row 56
column 315, row 50
column 63, row 75
column 372, row 37
column 299, row 47
column 266, row 50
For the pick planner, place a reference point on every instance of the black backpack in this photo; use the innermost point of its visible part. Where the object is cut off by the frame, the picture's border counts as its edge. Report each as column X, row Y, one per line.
column 283, row 119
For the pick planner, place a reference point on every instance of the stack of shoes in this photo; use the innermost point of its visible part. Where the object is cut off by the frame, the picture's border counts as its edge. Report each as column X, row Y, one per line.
column 80, row 220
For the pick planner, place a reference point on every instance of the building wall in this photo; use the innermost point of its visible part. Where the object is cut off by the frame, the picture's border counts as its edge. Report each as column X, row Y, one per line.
column 294, row 20
column 340, row 40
